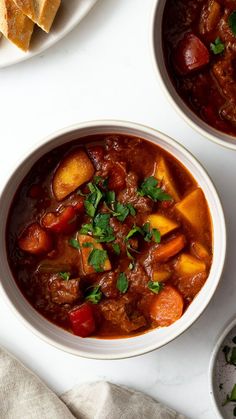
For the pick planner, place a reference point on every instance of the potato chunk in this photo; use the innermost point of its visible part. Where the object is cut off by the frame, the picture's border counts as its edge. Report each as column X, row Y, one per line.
column 163, row 174
column 86, row 250
column 161, row 275
column 163, row 224
column 74, row 170
column 193, row 208
column 188, row 265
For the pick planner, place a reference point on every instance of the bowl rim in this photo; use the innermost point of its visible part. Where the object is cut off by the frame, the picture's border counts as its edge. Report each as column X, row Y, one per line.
column 184, row 111
column 113, row 125
column 228, row 326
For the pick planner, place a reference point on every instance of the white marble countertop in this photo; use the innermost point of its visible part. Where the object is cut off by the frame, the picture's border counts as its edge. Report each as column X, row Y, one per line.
column 104, row 70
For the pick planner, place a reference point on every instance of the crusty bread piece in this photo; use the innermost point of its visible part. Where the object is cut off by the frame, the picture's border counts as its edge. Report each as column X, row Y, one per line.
column 14, row 25
column 42, row 12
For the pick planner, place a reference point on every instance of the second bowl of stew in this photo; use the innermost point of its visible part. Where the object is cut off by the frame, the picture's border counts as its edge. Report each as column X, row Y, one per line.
column 194, row 44
column 112, row 240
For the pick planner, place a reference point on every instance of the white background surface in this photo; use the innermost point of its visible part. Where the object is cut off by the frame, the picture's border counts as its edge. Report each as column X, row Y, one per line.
column 104, row 70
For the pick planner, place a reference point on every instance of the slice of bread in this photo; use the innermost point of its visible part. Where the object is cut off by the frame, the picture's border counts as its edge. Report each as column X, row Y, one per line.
column 14, row 25
column 42, row 12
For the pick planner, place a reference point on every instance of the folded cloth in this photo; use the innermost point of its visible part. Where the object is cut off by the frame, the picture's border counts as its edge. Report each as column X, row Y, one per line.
column 24, row 396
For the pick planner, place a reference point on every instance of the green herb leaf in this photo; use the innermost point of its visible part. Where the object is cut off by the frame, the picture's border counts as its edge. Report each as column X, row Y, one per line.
column 135, row 229
column 155, row 286
column 151, row 233
column 232, row 22
column 110, row 197
column 97, row 259
column 149, row 188
column 74, row 243
column 233, row 356
column 116, row 248
column 226, row 351
column 121, row 211
column 86, row 228
column 87, row 244
column 122, row 283
column 65, row 275
column 132, row 210
column 93, row 295
column 92, row 200
column 100, row 228
column 217, row 47
column 97, row 180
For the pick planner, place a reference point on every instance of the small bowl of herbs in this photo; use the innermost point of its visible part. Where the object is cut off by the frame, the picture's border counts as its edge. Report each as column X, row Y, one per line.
column 223, row 373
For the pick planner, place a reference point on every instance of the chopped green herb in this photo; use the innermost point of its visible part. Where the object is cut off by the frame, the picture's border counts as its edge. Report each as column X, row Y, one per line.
column 97, row 179
column 231, row 397
column 232, row 22
column 149, row 188
column 116, row 248
column 110, row 197
column 155, row 286
column 97, row 259
column 135, row 229
column 132, row 210
column 74, row 243
column 233, row 356
column 151, row 234
column 87, row 244
column 122, row 211
column 92, row 200
column 100, row 228
column 65, row 275
column 93, row 295
column 226, row 351
column 122, row 283
column 217, row 47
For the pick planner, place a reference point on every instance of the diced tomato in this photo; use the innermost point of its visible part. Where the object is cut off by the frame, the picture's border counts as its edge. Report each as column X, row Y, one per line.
column 96, row 153
column 62, row 222
column 35, row 240
column 117, row 178
column 82, row 320
column 167, row 306
column 191, row 54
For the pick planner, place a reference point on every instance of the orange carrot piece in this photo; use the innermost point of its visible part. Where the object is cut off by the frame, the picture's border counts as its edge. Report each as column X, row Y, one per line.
column 169, row 249
column 167, row 306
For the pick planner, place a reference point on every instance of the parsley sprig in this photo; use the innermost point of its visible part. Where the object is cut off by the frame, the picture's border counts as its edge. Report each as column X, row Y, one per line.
column 150, row 188
column 217, row 47
column 97, row 259
column 99, row 228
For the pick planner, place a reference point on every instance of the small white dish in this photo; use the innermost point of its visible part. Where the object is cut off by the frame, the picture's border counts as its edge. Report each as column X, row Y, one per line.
column 222, row 375
column 69, row 15
column 165, row 82
column 111, row 348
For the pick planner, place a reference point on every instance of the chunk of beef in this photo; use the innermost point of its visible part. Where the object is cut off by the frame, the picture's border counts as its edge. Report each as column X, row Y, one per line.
column 107, row 283
column 129, row 195
column 63, row 292
column 122, row 314
column 210, row 16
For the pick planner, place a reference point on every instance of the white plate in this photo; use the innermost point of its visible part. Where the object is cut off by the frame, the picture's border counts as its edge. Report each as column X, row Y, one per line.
column 71, row 12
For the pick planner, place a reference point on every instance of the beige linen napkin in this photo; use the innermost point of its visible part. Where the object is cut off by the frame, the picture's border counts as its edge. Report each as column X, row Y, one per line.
column 24, row 396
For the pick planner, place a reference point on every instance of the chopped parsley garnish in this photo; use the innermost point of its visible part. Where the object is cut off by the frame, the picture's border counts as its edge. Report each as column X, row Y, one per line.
column 65, row 275
column 217, row 47
column 155, row 286
column 232, row 22
column 100, row 228
column 226, row 351
column 92, row 200
column 135, row 229
column 74, row 243
column 231, row 397
column 233, row 357
column 122, row 283
column 110, row 197
column 149, row 188
column 116, row 248
column 97, row 259
column 94, row 295
column 87, row 244
column 151, row 233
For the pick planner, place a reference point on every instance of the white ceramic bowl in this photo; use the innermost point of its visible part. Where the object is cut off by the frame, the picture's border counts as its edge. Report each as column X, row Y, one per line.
column 164, row 80
column 115, row 348
column 222, row 376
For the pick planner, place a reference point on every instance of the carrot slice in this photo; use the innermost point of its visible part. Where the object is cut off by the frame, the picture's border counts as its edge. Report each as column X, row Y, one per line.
column 35, row 240
column 167, row 306
column 169, row 249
